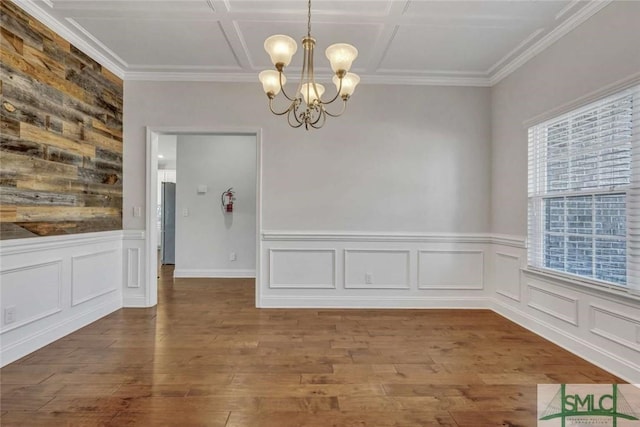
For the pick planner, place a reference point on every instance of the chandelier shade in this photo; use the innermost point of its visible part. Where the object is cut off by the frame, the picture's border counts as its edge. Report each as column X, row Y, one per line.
column 270, row 80
column 347, row 85
column 281, row 49
column 340, row 56
column 305, row 106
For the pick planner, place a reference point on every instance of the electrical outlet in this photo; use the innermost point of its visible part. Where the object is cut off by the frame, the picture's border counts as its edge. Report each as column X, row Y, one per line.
column 9, row 315
column 232, row 256
column 368, row 278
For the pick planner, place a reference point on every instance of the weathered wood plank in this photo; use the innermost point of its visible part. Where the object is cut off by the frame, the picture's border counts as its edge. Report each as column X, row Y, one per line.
column 103, row 177
column 101, row 201
column 47, row 183
column 26, row 165
column 9, row 126
column 18, row 197
column 117, row 81
column 101, row 141
column 60, row 213
column 10, row 143
column 32, row 133
column 50, row 228
column 11, row 41
column 52, row 183
column 106, row 130
column 8, row 213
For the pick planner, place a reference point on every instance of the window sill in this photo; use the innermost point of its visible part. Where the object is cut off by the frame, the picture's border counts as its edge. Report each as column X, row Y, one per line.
column 583, row 284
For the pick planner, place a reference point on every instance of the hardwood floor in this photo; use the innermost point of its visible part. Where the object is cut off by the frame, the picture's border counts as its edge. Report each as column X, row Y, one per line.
column 206, row 357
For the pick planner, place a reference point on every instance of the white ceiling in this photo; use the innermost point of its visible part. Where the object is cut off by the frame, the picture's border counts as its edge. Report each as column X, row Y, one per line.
column 472, row 43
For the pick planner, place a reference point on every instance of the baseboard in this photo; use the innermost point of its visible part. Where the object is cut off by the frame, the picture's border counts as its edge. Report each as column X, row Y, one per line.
column 213, row 273
column 135, row 302
column 598, row 356
column 54, row 332
column 374, row 302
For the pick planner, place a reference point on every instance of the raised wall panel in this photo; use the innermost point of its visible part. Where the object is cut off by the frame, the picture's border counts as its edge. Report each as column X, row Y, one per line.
column 450, row 270
column 387, row 268
column 507, row 275
column 615, row 326
column 94, row 275
column 554, row 304
column 35, row 291
column 302, row 268
column 133, row 267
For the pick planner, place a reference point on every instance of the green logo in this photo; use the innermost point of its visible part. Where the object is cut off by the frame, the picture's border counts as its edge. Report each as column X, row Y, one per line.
column 589, row 408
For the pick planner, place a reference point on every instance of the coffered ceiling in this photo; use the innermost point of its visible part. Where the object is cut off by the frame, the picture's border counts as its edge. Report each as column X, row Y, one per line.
column 474, row 43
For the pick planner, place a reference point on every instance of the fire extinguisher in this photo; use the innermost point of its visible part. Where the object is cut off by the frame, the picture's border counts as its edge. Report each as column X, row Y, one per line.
column 227, row 199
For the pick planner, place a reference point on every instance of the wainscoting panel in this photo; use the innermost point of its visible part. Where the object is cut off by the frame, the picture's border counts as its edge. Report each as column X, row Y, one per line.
column 134, row 264
column 94, row 274
column 135, row 290
column 553, row 303
column 507, row 275
column 302, row 268
column 56, row 285
column 615, row 326
column 376, row 269
column 32, row 292
column 451, row 270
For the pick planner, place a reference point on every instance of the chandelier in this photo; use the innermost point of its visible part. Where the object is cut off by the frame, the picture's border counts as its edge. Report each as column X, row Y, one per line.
column 307, row 107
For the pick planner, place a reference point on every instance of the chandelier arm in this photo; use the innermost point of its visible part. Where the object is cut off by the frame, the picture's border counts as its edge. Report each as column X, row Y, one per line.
column 278, row 113
column 322, row 116
column 321, row 111
column 282, row 88
column 335, row 97
column 344, row 107
column 293, row 113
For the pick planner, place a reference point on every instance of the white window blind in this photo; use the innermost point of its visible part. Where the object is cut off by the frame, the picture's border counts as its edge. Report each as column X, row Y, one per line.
column 584, row 192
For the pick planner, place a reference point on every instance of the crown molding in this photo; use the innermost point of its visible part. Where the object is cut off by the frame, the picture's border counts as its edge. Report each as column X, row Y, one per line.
column 253, row 78
column 42, row 16
column 560, row 31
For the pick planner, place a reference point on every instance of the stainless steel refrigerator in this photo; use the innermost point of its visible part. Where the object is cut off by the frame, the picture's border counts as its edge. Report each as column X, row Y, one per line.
column 168, row 228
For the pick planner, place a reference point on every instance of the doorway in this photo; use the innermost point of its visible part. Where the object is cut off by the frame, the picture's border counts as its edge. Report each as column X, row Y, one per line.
column 204, row 190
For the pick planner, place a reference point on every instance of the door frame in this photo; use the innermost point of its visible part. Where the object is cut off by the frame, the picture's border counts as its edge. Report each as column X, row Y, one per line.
column 151, row 200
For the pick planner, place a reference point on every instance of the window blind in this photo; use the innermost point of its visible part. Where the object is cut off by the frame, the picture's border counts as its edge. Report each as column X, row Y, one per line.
column 584, row 191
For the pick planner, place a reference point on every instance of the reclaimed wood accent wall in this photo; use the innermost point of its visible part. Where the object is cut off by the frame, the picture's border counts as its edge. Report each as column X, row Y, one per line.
column 61, row 134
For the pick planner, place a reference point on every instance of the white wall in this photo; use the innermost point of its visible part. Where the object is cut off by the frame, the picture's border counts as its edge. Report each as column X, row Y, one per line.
column 599, row 326
column 401, row 158
column 207, row 236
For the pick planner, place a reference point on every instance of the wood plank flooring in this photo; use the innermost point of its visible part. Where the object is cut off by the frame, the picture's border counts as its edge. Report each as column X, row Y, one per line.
column 206, row 357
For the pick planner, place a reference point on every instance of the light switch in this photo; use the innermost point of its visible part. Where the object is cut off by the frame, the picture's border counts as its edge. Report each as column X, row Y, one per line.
column 137, row 211
column 202, row 189
column 185, row 212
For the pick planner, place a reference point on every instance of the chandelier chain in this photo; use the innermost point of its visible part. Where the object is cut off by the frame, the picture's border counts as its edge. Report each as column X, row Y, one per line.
column 309, row 18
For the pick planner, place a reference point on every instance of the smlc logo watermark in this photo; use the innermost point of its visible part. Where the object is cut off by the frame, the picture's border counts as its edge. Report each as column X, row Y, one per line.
column 576, row 405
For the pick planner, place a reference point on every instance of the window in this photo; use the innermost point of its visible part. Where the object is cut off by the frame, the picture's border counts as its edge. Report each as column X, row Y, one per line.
column 584, row 173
